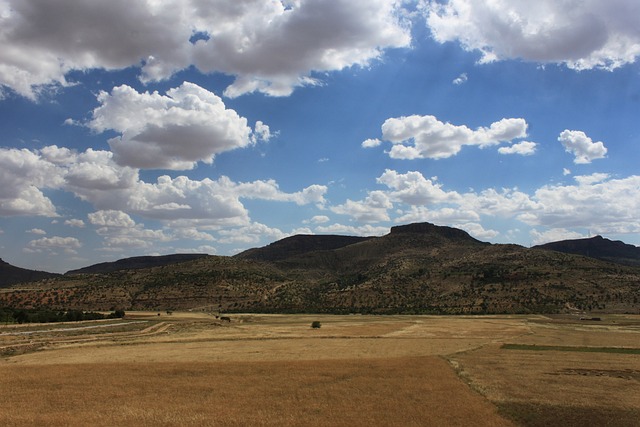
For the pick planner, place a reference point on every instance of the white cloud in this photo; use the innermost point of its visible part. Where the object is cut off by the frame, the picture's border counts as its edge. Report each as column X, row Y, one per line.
column 478, row 231
column 523, row 148
column 120, row 231
column 301, row 230
column 23, row 174
column 250, row 234
column 581, row 146
column 269, row 190
column 413, row 188
column 371, row 143
column 503, row 203
column 553, row 235
column 69, row 245
column 566, row 171
column 271, row 47
column 185, row 205
column 37, row 231
column 591, row 179
column 457, row 215
column 111, row 218
column 75, row 223
column 96, row 171
column 179, row 198
column 173, row 131
column 261, row 132
column 420, row 137
column 43, row 41
column 591, row 34
column 597, row 202
column 191, row 233
column 374, row 208
column 363, row 230
column 318, row 219
column 461, row 79
column 606, row 206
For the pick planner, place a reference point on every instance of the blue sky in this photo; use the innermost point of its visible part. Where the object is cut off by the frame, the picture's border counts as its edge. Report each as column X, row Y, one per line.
column 216, row 126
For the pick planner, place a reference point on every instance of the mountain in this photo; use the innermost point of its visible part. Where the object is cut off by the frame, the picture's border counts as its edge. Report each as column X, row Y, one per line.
column 299, row 245
column 136, row 263
column 416, row 268
column 598, row 247
column 10, row 274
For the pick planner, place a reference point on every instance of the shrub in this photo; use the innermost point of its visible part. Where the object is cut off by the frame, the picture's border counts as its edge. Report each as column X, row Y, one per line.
column 315, row 324
column 117, row 314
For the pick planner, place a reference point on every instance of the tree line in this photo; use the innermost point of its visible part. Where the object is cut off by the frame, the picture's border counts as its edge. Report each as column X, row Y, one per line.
column 11, row 315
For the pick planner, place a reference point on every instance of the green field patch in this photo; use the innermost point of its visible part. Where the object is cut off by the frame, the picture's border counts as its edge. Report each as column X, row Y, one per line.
column 533, row 347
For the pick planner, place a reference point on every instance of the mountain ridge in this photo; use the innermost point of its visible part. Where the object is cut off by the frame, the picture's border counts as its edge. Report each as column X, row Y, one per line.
column 419, row 268
column 598, row 247
column 10, row 274
column 135, row 263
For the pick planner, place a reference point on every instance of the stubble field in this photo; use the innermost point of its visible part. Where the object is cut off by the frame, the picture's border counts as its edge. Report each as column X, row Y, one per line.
column 193, row 369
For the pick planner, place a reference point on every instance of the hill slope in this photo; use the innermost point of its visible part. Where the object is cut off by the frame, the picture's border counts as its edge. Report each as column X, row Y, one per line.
column 299, row 245
column 598, row 247
column 136, row 263
column 10, row 274
column 418, row 268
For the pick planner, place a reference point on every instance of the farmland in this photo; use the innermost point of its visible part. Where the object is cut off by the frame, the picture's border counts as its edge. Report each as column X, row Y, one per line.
column 190, row 368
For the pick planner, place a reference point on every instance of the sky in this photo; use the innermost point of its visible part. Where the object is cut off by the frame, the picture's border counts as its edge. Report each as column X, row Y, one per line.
column 214, row 126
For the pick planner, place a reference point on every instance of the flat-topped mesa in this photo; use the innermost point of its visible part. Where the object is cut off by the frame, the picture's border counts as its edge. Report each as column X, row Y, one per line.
column 298, row 245
column 428, row 228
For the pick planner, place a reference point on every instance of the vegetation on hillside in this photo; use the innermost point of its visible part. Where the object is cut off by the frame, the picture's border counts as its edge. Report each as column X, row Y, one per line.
column 12, row 315
column 416, row 269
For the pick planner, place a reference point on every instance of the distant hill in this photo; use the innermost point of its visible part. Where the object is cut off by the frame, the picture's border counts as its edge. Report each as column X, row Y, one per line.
column 416, row 268
column 598, row 247
column 10, row 274
column 434, row 230
column 299, row 245
column 136, row 263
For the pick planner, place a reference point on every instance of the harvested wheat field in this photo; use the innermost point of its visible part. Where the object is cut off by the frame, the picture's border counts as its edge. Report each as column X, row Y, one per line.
column 193, row 369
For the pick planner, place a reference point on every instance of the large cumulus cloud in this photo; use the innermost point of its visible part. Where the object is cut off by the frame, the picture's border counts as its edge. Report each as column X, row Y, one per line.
column 270, row 46
column 172, row 131
column 95, row 177
column 23, row 177
column 583, row 35
column 422, row 137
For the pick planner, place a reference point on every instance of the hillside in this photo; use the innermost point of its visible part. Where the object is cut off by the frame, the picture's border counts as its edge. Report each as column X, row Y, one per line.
column 10, row 274
column 299, row 245
column 598, row 247
column 418, row 268
column 136, row 263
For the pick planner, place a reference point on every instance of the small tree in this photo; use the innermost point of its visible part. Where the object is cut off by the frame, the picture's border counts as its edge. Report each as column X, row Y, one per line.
column 117, row 314
column 315, row 324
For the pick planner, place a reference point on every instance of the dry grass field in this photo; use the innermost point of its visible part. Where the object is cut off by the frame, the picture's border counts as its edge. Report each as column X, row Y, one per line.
column 192, row 369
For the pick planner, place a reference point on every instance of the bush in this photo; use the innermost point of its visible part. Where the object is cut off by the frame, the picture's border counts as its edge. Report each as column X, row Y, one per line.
column 117, row 314
column 315, row 324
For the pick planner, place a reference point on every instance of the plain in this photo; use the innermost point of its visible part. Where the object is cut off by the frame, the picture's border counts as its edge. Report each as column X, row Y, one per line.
column 193, row 369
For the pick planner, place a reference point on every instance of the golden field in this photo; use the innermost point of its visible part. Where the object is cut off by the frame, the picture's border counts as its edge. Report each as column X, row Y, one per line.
column 192, row 369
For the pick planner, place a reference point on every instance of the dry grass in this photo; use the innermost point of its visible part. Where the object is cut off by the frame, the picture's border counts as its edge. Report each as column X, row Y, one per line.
column 546, row 384
column 189, row 369
column 402, row 392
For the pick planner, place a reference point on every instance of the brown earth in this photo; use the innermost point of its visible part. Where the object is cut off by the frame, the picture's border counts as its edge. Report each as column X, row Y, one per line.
column 542, row 387
column 192, row 369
